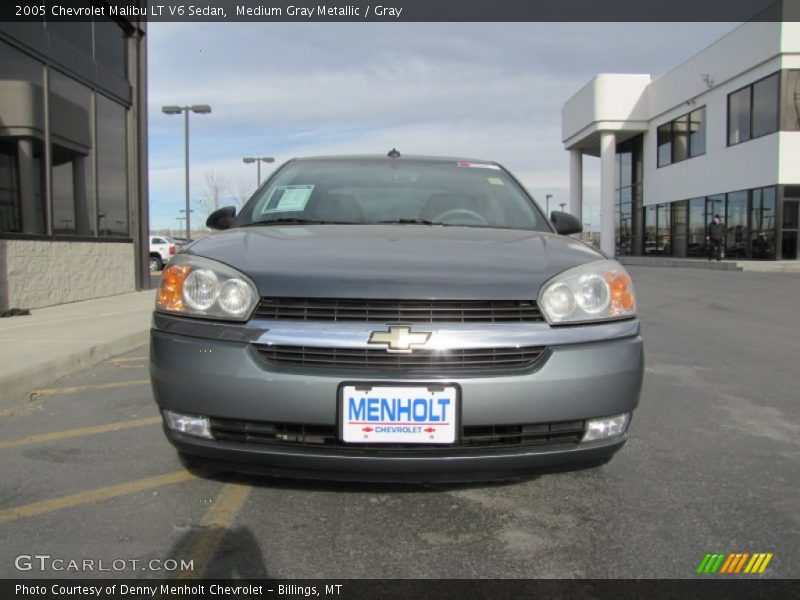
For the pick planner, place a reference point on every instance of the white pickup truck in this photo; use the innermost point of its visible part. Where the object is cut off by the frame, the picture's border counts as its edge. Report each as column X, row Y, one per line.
column 162, row 249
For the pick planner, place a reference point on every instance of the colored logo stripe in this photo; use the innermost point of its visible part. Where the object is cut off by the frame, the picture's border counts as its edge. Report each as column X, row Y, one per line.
column 711, row 563
column 734, row 563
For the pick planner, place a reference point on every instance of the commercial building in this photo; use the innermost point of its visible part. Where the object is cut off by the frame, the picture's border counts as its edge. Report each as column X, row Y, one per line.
column 719, row 134
column 73, row 161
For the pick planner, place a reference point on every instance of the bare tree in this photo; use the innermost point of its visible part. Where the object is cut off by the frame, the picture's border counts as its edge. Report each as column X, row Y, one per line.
column 215, row 186
column 244, row 189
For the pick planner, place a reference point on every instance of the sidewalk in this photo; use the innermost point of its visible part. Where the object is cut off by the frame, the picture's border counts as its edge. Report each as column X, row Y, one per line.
column 59, row 340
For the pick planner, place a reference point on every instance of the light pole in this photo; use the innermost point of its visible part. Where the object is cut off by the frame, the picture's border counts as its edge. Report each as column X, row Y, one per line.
column 562, row 205
column 183, row 210
column 547, row 203
column 591, row 211
column 258, row 160
column 200, row 109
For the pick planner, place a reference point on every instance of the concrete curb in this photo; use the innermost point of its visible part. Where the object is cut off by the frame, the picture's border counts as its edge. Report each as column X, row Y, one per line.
column 679, row 263
column 26, row 380
column 753, row 266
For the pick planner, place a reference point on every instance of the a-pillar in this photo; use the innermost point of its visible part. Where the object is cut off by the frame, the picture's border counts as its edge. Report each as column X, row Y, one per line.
column 608, row 155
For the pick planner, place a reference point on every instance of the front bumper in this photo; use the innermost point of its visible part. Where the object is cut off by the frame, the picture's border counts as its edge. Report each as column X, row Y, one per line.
column 225, row 379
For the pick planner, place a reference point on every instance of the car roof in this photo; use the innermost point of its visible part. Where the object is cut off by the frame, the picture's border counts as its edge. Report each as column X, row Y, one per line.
column 383, row 157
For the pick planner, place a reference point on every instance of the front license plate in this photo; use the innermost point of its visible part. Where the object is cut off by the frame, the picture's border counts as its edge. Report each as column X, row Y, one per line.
column 398, row 414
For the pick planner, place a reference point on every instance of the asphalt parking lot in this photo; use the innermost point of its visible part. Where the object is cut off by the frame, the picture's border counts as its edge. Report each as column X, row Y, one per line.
column 711, row 466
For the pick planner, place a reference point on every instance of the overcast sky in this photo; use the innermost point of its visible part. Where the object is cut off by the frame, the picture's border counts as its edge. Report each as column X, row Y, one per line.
column 480, row 90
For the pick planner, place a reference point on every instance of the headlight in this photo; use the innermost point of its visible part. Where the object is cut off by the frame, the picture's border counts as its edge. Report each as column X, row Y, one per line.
column 200, row 287
column 595, row 291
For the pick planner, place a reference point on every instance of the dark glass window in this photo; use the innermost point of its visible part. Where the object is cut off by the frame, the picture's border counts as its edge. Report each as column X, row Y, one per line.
column 22, row 207
column 765, row 106
column 628, row 207
column 753, row 111
column 715, row 205
column 680, row 138
column 625, row 169
column 736, row 235
column 72, row 156
column 77, row 33
column 109, row 45
column 762, row 223
column 791, row 219
column 696, row 242
column 679, row 228
column 791, row 101
column 650, row 229
column 112, row 183
column 739, row 116
column 665, row 145
column 697, row 132
column 664, row 238
column 623, row 223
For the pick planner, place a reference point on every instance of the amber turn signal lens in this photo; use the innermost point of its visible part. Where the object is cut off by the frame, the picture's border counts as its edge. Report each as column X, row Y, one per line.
column 622, row 299
column 170, row 293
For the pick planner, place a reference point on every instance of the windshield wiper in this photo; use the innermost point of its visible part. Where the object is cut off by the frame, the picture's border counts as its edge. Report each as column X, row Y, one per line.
column 408, row 222
column 295, row 221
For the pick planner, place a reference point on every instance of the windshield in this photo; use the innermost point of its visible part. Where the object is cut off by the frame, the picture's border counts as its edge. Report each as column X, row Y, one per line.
column 368, row 191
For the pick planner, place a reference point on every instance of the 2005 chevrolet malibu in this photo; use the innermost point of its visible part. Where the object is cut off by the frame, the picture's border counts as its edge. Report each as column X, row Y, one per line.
column 394, row 318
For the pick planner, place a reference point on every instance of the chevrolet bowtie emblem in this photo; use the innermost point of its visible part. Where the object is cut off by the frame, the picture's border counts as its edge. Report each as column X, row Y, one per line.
column 399, row 338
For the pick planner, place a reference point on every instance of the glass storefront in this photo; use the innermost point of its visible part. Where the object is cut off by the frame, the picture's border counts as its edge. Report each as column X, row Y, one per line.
column 696, row 238
column 791, row 221
column 112, row 184
column 762, row 223
column 22, row 184
column 628, row 196
column 735, row 221
column 680, row 228
column 86, row 145
column 72, row 156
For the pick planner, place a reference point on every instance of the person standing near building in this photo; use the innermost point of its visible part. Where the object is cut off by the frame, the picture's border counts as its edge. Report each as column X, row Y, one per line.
column 715, row 237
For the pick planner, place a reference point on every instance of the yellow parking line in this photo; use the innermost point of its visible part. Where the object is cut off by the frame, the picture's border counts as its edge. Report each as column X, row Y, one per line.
column 81, row 388
column 71, row 433
column 219, row 518
column 98, row 495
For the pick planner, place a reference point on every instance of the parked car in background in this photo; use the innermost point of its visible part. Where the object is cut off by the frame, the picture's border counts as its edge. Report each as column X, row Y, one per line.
column 395, row 319
column 181, row 242
column 162, row 249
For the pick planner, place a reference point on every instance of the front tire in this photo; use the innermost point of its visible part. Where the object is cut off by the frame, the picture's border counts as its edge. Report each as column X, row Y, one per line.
column 156, row 264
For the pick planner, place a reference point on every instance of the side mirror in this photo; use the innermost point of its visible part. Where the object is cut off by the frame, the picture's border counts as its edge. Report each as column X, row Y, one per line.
column 565, row 223
column 221, row 218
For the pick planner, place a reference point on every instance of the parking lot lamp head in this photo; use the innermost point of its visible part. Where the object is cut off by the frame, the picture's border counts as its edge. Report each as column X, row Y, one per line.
column 172, row 109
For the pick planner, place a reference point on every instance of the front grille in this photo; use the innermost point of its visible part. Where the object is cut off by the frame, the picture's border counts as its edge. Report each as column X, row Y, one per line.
column 473, row 359
column 399, row 311
column 472, row 437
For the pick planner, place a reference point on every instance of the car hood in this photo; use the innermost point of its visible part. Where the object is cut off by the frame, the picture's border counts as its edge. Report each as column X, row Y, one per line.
column 395, row 261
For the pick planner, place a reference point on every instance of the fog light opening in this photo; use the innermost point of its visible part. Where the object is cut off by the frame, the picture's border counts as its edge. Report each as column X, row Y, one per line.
column 609, row 427
column 188, row 424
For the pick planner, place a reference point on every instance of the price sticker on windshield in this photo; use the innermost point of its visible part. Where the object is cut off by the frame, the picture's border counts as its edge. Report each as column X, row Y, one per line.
column 288, row 198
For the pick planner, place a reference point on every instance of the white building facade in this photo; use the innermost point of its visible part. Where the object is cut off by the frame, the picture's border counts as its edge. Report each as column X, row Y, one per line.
column 719, row 134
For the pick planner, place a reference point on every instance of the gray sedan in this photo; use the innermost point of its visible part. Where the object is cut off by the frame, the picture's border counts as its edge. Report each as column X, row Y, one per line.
column 394, row 318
